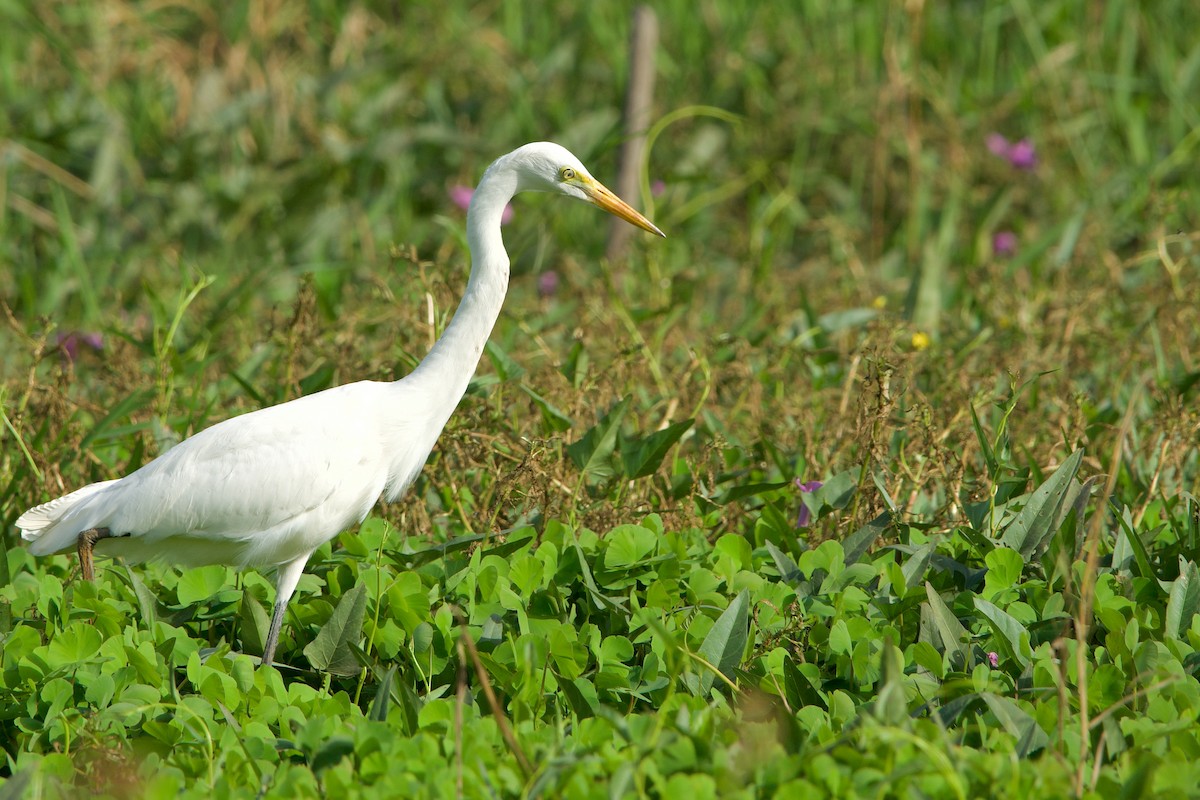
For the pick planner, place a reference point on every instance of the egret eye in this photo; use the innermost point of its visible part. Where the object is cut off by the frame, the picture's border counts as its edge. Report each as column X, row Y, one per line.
column 566, row 174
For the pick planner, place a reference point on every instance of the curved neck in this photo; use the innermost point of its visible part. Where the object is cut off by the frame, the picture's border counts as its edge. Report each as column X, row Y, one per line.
column 452, row 361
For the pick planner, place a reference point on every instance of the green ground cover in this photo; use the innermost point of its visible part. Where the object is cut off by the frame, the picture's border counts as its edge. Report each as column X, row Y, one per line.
column 938, row 258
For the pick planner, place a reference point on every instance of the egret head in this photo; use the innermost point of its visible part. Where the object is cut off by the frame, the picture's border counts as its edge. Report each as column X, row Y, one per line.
column 548, row 167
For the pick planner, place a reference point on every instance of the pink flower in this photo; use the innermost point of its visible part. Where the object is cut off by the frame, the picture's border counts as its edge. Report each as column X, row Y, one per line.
column 994, row 659
column 1021, row 155
column 461, row 197
column 70, row 342
column 548, row 283
column 803, row 518
column 997, row 144
column 1004, row 243
column 657, row 188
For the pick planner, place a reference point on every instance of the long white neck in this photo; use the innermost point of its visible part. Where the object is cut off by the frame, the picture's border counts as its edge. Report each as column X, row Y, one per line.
column 447, row 369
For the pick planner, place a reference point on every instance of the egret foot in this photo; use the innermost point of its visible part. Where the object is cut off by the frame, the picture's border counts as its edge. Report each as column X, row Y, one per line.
column 87, row 541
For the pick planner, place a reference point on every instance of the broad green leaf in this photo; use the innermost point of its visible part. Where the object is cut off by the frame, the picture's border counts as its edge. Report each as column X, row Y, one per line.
column 1028, row 533
column 254, row 624
column 840, row 642
column 1004, row 569
column 330, row 650
column 592, row 454
column 916, row 565
column 1011, row 634
column 77, row 642
column 627, row 545
column 201, row 583
column 1184, row 600
column 726, row 640
column 736, row 549
column 643, row 455
column 788, row 570
column 859, row 542
column 1022, row 727
column 949, row 632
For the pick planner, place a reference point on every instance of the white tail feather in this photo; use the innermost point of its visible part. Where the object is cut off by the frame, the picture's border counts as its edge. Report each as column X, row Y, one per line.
column 36, row 520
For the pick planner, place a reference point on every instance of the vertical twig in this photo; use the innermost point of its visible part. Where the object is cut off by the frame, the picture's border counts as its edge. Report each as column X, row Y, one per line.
column 485, row 683
column 643, row 42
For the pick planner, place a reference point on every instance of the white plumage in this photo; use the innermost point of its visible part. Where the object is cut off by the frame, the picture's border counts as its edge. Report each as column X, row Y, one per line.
column 267, row 488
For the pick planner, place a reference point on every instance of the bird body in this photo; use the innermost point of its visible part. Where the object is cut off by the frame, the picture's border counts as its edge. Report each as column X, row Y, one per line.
column 266, row 488
column 261, row 489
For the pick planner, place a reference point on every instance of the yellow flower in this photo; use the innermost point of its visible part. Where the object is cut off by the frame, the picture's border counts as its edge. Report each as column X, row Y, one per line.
column 920, row 340
column 879, row 303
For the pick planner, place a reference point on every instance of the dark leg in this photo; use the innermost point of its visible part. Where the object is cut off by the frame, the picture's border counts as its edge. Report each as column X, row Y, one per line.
column 273, row 632
column 87, row 541
column 285, row 585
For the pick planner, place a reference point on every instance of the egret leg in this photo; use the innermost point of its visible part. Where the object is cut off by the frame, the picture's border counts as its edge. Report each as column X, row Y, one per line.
column 87, row 541
column 285, row 586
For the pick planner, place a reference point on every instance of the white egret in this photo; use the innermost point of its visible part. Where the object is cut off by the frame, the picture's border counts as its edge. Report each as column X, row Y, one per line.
column 265, row 489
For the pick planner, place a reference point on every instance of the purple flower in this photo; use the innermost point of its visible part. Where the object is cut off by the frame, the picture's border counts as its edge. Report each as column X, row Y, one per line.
column 1021, row 155
column 70, row 342
column 994, row 659
column 461, row 197
column 997, row 144
column 657, row 188
column 548, row 283
column 1004, row 243
column 803, row 518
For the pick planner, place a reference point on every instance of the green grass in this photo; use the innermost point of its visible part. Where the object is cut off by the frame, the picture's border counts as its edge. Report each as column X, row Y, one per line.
column 598, row 587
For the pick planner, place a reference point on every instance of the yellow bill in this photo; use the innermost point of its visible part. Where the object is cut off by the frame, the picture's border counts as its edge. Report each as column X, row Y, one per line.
column 605, row 199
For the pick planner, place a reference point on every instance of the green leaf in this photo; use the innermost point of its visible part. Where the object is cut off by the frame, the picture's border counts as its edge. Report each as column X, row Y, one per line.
column 1004, row 569
column 985, row 445
column 255, row 624
column 626, row 545
column 201, row 583
column 784, row 563
column 1022, row 727
column 593, row 453
column 1011, row 634
column 917, row 565
column 147, row 602
column 857, row 543
column 939, row 622
column 743, row 490
column 736, row 549
column 726, row 640
column 331, row 752
column 383, row 696
column 506, row 368
column 891, row 703
column 553, row 418
column 330, row 650
column 1028, row 533
column 77, row 642
column 1184, row 600
column 834, row 493
column 643, row 455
